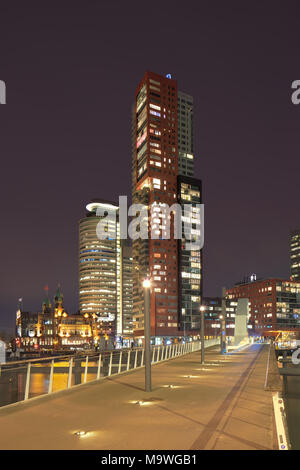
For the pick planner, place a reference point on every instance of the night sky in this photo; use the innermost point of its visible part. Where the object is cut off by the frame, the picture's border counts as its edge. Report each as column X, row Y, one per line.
column 71, row 69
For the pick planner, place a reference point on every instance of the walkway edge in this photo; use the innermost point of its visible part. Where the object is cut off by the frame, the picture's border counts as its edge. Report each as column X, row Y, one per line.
column 281, row 422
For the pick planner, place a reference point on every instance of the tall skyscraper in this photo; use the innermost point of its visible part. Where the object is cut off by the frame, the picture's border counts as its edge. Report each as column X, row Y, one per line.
column 105, row 273
column 189, row 260
column 295, row 255
column 160, row 115
column 126, row 292
column 185, row 107
column 99, row 269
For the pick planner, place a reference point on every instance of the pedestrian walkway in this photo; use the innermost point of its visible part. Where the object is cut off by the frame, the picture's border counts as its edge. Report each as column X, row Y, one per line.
column 221, row 405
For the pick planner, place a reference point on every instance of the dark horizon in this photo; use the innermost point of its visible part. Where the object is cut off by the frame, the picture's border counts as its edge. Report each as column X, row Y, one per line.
column 65, row 133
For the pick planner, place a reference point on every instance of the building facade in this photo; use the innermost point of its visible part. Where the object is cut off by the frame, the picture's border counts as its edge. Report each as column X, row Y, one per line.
column 189, row 260
column 105, row 273
column 274, row 304
column 126, row 288
column 213, row 310
column 185, row 105
column 160, row 114
column 295, row 255
column 54, row 328
column 99, row 267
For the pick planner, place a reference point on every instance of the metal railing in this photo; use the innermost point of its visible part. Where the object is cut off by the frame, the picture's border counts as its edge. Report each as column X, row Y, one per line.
column 26, row 379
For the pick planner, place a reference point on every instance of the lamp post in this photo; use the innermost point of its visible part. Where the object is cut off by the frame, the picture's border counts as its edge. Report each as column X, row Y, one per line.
column 202, row 310
column 147, row 334
column 223, row 322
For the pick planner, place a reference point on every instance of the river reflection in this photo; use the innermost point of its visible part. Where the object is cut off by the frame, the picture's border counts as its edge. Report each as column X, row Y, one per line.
column 13, row 381
column 13, row 377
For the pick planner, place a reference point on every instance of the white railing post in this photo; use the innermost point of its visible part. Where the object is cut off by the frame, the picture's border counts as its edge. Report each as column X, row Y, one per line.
column 120, row 362
column 142, row 360
column 128, row 360
column 99, row 367
column 27, row 381
column 50, row 387
column 86, row 369
column 135, row 359
column 70, row 373
column 110, row 364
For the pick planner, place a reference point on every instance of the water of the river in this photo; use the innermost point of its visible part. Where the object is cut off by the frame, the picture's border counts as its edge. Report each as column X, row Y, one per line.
column 292, row 401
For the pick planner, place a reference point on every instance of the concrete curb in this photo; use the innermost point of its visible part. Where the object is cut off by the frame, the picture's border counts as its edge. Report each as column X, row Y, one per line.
column 273, row 381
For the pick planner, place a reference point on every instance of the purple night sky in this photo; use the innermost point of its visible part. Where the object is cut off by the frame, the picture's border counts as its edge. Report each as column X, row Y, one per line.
column 71, row 69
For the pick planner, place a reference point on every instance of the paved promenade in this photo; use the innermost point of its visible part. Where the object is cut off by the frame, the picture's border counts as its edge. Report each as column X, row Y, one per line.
column 221, row 405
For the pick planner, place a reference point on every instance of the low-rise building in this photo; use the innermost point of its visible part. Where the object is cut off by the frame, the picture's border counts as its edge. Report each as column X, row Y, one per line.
column 274, row 304
column 213, row 311
column 54, row 328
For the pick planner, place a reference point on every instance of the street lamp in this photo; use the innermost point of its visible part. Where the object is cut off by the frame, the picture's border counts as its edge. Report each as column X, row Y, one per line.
column 147, row 334
column 223, row 322
column 202, row 310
